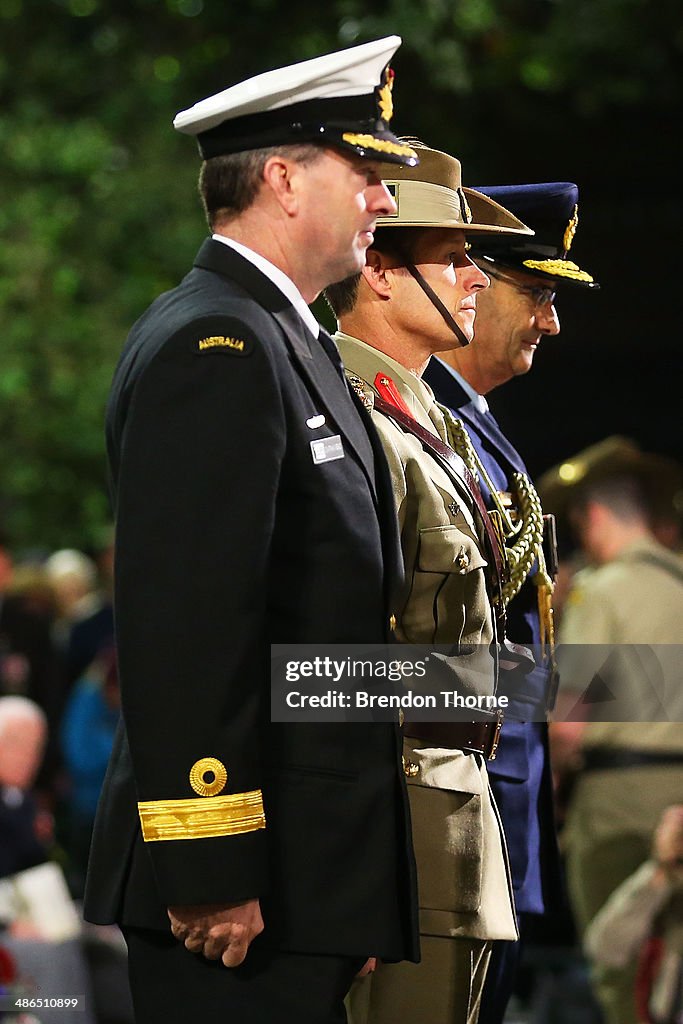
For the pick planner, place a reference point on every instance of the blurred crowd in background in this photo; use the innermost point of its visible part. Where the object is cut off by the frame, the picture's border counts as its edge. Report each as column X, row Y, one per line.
column 99, row 224
column 59, row 706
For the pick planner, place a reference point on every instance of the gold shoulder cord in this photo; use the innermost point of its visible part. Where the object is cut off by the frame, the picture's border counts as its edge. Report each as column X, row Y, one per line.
column 545, row 587
column 524, row 538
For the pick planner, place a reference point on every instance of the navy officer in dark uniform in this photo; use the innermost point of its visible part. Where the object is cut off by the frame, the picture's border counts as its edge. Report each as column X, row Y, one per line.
column 254, row 867
column 513, row 315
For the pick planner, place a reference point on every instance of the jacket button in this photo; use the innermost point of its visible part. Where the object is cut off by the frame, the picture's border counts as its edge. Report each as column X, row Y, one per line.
column 392, row 623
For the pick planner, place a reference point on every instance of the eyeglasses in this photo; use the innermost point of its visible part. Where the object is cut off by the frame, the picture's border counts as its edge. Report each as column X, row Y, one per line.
column 539, row 294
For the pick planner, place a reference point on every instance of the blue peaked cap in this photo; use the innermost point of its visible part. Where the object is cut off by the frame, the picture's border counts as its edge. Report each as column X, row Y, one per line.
column 551, row 209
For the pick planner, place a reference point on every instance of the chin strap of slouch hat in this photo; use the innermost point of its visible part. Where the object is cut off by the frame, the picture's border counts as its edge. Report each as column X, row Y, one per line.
column 447, row 316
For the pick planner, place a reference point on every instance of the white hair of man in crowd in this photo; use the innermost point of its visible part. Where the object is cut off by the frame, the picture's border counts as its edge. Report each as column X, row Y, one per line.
column 23, row 735
column 73, row 577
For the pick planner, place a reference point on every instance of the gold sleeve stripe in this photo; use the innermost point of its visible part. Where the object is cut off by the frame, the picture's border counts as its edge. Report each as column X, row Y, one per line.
column 201, row 818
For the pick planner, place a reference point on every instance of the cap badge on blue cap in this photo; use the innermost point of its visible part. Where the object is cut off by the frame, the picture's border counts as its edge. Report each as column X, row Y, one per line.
column 570, row 231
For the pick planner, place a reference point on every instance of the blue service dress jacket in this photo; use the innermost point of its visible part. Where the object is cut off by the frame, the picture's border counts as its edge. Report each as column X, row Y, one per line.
column 232, row 535
column 520, row 774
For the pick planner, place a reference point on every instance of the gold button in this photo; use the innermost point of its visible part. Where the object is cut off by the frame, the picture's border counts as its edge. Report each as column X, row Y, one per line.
column 410, row 768
column 208, row 776
column 392, row 623
column 463, row 559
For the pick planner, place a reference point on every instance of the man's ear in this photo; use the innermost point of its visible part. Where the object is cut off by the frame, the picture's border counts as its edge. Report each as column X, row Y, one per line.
column 376, row 274
column 278, row 173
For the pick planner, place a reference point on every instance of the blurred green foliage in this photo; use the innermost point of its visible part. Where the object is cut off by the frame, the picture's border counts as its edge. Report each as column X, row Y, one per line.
column 97, row 214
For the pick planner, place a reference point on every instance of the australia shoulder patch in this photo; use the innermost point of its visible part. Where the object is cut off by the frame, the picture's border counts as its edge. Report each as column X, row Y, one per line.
column 226, row 344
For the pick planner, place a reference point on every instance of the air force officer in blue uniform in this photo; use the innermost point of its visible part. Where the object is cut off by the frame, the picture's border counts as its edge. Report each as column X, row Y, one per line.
column 513, row 315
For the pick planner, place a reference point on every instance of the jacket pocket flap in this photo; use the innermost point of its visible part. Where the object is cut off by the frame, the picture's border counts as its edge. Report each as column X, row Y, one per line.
column 445, row 769
column 448, row 549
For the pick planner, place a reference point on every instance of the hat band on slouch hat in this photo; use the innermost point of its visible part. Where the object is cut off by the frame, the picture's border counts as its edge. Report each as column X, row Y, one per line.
column 432, row 196
column 424, row 204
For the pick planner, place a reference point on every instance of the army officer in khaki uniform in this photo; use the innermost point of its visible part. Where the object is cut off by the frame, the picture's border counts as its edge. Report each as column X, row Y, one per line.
column 417, row 290
column 630, row 751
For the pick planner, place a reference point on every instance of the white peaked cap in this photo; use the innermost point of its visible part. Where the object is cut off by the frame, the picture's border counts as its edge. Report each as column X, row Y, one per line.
column 341, row 99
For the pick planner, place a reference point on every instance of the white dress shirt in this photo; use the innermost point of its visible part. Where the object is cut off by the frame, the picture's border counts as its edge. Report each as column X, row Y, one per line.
column 279, row 279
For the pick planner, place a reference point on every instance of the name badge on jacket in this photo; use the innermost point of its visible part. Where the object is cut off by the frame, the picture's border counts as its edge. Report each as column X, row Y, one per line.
column 327, row 449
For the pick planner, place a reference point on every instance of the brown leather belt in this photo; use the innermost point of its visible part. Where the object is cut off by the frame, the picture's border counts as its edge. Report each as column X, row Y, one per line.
column 479, row 737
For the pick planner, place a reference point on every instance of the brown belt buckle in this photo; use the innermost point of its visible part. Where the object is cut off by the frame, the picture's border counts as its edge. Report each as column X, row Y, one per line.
column 496, row 736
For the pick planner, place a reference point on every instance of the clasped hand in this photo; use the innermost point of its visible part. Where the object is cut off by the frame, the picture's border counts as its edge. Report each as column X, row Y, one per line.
column 218, row 931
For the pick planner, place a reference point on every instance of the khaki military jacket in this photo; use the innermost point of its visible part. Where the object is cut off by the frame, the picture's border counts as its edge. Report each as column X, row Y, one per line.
column 444, row 599
column 463, row 876
column 636, row 599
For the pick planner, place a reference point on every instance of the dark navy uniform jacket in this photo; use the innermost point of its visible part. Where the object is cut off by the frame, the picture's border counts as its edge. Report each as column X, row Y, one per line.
column 231, row 537
column 520, row 774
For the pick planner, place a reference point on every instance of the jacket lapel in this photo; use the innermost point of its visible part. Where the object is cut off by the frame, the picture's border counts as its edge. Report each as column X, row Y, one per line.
column 449, row 392
column 386, row 508
column 227, row 262
column 311, row 359
column 329, row 387
column 488, row 428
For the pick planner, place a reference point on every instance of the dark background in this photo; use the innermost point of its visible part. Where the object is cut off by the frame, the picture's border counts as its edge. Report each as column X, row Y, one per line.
column 99, row 210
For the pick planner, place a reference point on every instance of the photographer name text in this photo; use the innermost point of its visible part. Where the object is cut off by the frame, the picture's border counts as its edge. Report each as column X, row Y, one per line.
column 361, row 699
